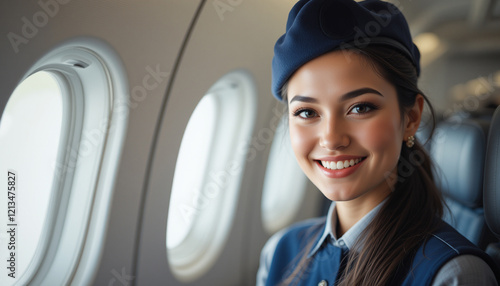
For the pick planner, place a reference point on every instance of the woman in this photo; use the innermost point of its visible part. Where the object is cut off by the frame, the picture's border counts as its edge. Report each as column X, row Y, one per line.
column 348, row 72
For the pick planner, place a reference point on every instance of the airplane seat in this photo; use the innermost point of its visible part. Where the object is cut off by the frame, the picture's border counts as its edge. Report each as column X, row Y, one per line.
column 492, row 185
column 458, row 150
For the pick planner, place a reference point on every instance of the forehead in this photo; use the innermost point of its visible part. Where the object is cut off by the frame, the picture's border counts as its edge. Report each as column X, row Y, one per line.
column 336, row 72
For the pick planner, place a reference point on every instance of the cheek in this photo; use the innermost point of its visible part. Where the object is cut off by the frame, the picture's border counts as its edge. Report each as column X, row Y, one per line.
column 301, row 139
column 382, row 135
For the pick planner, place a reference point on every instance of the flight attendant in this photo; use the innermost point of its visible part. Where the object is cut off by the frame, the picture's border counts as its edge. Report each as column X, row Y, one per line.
column 348, row 73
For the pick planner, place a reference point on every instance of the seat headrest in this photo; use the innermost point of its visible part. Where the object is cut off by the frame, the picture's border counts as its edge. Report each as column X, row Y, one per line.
column 492, row 176
column 458, row 150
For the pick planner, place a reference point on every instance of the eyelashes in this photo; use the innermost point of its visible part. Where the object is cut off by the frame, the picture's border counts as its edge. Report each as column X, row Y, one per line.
column 363, row 107
column 305, row 113
column 357, row 109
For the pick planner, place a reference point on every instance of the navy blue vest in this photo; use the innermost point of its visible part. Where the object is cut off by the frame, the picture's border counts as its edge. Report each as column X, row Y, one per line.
column 326, row 264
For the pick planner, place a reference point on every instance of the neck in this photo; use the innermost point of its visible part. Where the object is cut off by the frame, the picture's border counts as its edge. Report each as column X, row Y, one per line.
column 350, row 212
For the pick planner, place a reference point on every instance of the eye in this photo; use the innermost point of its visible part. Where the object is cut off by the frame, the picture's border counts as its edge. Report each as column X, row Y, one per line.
column 305, row 113
column 362, row 108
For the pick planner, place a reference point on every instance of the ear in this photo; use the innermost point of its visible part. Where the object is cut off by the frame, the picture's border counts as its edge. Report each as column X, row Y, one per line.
column 413, row 117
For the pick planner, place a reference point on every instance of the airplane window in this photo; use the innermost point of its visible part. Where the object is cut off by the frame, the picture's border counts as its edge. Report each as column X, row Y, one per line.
column 284, row 179
column 61, row 135
column 191, row 167
column 30, row 131
column 207, row 176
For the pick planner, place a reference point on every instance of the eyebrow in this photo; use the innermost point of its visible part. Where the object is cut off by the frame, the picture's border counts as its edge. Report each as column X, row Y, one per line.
column 349, row 95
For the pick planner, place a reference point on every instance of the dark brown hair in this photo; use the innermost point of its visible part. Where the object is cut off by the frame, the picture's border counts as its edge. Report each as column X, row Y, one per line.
column 407, row 219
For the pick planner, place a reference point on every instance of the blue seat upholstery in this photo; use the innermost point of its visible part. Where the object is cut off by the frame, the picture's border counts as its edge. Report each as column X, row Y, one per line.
column 458, row 149
column 492, row 185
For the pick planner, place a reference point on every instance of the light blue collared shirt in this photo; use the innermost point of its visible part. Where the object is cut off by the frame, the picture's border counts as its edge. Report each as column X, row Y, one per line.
column 351, row 236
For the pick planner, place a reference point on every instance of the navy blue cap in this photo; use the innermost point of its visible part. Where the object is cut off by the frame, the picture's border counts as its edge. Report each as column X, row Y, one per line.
column 316, row 27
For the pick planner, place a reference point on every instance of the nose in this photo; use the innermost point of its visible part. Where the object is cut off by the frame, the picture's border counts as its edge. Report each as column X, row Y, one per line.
column 334, row 135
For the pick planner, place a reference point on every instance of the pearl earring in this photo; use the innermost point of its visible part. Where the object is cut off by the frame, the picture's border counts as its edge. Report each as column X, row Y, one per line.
column 410, row 142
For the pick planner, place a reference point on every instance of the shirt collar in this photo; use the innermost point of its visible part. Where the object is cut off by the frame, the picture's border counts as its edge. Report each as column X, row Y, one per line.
column 350, row 237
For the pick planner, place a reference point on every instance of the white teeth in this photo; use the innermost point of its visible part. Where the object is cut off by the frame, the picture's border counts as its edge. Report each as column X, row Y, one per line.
column 339, row 165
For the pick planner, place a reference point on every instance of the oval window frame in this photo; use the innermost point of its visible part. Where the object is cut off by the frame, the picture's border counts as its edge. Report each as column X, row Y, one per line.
column 236, row 98
column 65, row 255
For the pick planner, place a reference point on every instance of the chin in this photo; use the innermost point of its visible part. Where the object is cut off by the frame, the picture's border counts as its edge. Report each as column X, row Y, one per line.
column 339, row 195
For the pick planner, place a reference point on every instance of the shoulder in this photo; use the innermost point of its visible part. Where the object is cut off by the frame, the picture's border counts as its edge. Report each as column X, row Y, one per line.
column 447, row 241
column 303, row 226
column 300, row 233
column 290, row 237
column 294, row 236
column 443, row 247
column 465, row 270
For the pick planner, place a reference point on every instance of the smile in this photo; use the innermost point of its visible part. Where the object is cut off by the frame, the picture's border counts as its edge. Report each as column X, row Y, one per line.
column 339, row 165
